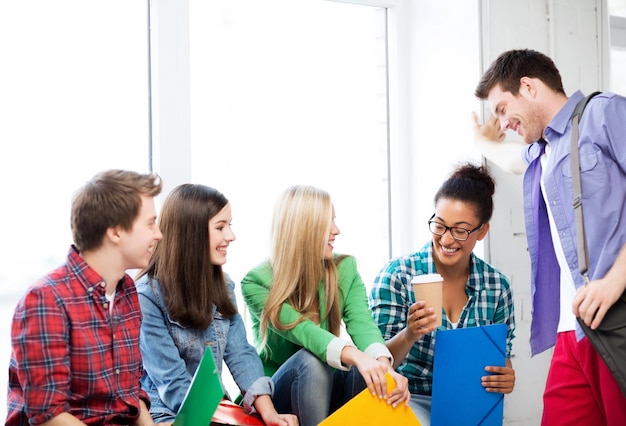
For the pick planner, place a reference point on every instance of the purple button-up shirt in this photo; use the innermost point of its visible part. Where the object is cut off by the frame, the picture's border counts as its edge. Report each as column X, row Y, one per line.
column 602, row 146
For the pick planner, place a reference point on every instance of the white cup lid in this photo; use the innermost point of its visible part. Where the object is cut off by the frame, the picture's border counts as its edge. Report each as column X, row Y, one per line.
column 426, row 278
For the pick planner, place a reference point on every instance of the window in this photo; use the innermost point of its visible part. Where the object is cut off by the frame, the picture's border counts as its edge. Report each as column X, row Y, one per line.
column 617, row 36
column 277, row 102
column 73, row 101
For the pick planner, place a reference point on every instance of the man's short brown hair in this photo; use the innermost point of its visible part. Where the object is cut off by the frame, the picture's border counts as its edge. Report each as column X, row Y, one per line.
column 509, row 68
column 111, row 198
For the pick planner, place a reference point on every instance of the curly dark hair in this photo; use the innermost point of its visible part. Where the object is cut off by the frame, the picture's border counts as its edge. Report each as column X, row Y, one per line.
column 471, row 184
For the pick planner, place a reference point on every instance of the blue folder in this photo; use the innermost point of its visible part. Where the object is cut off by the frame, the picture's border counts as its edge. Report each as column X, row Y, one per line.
column 461, row 356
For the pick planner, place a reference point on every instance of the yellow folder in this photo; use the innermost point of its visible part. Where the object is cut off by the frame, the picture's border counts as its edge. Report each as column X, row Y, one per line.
column 366, row 409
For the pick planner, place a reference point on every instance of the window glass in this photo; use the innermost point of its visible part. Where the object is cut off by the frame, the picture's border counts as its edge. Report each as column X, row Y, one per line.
column 286, row 93
column 73, row 102
column 617, row 22
column 618, row 70
column 617, row 8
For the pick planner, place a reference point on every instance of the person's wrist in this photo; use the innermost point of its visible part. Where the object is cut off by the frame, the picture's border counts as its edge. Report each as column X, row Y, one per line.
column 264, row 406
column 409, row 336
column 384, row 360
column 349, row 355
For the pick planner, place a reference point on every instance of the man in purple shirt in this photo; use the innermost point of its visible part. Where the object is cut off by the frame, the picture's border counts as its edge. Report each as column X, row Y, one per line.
column 525, row 93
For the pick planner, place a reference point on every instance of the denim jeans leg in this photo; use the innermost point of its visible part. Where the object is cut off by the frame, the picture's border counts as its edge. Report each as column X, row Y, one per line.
column 421, row 404
column 303, row 386
column 346, row 385
column 162, row 418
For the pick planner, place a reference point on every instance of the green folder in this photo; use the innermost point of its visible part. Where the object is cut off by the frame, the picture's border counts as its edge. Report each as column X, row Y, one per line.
column 203, row 396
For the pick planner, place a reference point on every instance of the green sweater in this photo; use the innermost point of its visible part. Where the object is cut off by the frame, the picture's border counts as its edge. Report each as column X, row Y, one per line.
column 281, row 345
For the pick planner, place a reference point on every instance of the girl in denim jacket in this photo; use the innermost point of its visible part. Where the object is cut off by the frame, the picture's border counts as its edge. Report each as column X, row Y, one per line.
column 188, row 306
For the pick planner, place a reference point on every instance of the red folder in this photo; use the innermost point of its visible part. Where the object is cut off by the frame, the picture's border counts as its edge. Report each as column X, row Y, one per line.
column 229, row 413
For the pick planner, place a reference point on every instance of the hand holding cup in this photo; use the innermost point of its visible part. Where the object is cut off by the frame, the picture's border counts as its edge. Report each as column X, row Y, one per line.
column 429, row 288
column 422, row 320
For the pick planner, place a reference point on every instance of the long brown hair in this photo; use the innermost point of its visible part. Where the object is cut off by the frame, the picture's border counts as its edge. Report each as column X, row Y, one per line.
column 300, row 231
column 190, row 284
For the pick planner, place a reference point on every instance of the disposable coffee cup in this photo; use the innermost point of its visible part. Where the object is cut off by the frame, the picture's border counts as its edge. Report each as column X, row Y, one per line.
column 428, row 287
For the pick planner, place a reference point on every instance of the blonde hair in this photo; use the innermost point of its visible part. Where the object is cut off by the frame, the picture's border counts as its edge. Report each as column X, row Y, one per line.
column 300, row 231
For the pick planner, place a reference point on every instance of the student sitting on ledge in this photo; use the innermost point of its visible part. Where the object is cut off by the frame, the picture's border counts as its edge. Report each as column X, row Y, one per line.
column 474, row 293
column 75, row 334
column 297, row 301
column 188, row 305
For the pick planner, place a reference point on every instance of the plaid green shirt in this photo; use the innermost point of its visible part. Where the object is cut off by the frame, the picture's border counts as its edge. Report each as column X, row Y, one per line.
column 490, row 301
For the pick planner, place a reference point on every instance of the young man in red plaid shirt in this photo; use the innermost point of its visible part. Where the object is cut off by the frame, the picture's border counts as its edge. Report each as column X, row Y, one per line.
column 75, row 334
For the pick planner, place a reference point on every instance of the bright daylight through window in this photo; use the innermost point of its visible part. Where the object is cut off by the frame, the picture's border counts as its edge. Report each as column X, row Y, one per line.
column 74, row 101
column 277, row 102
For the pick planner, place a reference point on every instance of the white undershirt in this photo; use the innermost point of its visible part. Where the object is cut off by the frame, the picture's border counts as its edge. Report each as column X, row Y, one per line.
column 110, row 298
column 567, row 320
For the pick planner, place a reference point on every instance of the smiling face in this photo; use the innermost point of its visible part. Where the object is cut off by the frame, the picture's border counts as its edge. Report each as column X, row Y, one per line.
column 521, row 113
column 220, row 235
column 447, row 251
column 138, row 243
column 330, row 245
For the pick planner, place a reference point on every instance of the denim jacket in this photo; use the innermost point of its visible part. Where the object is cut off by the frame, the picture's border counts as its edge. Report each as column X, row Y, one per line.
column 171, row 353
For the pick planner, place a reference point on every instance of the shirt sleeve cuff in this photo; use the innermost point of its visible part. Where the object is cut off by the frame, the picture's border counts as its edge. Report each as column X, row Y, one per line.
column 262, row 386
column 333, row 353
column 376, row 350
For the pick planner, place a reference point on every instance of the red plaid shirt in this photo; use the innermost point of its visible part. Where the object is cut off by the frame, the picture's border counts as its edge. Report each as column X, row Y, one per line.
column 71, row 355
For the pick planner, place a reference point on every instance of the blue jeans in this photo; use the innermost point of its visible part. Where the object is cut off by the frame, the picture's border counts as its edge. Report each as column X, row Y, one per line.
column 311, row 389
column 163, row 418
column 420, row 404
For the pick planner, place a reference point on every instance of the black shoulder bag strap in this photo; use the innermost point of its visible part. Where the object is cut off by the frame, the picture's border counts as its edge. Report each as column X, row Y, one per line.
column 608, row 339
column 583, row 257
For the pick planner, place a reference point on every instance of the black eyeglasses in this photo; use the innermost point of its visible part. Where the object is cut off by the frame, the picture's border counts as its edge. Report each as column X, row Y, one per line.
column 459, row 234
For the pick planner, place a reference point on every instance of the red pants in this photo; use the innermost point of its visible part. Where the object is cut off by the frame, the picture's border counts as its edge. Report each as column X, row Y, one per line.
column 580, row 389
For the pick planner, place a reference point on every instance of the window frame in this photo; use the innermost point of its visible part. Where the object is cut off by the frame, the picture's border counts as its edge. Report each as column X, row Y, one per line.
column 170, row 107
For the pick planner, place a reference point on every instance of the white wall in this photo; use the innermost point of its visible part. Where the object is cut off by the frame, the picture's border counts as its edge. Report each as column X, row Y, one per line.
column 443, row 67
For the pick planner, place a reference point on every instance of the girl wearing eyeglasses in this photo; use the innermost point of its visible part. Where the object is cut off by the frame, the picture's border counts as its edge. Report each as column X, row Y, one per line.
column 474, row 293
